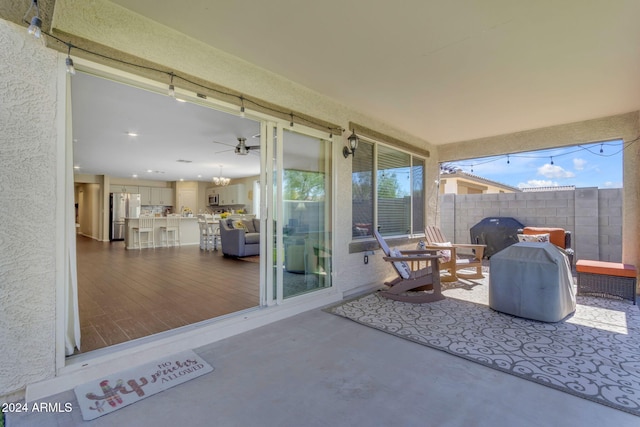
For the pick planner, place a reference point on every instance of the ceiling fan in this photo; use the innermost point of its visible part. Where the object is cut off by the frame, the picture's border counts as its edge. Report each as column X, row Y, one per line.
column 241, row 149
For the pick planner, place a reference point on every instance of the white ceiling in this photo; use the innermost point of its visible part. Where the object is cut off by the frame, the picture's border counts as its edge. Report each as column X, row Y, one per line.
column 443, row 70
column 104, row 112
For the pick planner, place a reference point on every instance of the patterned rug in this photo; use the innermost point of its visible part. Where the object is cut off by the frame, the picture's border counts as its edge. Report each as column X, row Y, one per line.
column 594, row 353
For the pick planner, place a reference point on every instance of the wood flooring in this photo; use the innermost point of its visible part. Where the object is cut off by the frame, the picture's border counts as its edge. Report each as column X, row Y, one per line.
column 128, row 294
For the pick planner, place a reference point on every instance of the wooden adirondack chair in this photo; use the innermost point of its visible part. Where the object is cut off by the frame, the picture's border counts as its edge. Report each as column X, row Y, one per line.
column 421, row 285
column 451, row 262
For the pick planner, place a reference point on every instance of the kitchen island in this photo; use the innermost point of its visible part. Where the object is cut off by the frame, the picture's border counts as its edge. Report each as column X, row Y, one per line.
column 189, row 231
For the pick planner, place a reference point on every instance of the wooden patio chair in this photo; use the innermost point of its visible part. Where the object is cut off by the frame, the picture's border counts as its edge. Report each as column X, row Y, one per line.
column 451, row 262
column 419, row 285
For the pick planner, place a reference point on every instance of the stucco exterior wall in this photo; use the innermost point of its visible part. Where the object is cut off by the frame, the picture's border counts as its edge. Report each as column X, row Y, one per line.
column 27, row 200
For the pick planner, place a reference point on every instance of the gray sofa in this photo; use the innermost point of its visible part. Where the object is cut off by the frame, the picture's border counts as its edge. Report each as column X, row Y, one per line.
column 240, row 238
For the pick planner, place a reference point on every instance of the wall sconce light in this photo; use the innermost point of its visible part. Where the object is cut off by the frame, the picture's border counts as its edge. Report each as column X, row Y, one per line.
column 353, row 144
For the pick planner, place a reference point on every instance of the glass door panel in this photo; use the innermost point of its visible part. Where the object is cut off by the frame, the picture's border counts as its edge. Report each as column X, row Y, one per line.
column 300, row 224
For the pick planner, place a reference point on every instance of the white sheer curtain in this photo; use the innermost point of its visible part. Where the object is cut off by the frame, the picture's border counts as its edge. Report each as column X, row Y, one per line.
column 71, row 313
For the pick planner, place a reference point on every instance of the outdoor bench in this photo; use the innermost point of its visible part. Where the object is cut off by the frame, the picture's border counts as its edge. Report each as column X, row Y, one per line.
column 606, row 279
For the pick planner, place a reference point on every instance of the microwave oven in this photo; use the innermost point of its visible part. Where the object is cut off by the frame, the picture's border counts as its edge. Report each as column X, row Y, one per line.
column 214, row 200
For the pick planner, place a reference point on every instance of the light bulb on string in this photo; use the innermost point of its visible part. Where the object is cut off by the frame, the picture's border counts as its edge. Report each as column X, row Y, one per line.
column 70, row 68
column 35, row 26
column 172, row 89
column 291, row 123
column 551, row 159
column 508, row 161
column 601, row 150
column 242, row 106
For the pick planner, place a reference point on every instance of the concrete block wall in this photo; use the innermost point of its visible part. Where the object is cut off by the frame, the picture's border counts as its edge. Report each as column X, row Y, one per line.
column 593, row 216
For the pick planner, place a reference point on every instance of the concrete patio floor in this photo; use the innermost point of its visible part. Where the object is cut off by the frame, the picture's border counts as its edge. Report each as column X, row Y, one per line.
column 317, row 369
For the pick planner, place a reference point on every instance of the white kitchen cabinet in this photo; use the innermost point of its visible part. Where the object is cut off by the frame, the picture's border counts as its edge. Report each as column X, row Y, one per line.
column 133, row 189
column 161, row 196
column 145, row 196
column 232, row 195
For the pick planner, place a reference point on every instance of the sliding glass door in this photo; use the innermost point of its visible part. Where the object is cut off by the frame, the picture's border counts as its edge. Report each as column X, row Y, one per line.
column 299, row 178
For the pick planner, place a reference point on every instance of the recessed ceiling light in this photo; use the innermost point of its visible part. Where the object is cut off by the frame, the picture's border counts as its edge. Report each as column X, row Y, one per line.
column 199, row 176
column 132, row 134
column 134, row 175
column 181, row 179
column 181, row 100
column 76, row 167
column 149, row 170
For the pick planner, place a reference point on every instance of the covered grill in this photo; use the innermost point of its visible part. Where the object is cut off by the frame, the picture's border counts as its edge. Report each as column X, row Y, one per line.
column 497, row 233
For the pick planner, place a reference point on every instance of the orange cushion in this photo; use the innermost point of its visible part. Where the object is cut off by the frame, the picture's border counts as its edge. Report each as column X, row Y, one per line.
column 556, row 235
column 606, row 268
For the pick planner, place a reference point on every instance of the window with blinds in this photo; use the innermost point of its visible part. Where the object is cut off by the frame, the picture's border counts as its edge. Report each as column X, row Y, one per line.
column 388, row 191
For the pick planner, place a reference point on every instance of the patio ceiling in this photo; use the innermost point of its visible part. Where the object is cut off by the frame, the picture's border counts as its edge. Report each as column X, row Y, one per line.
column 444, row 71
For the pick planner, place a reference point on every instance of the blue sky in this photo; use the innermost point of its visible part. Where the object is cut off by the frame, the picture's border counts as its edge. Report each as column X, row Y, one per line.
column 582, row 166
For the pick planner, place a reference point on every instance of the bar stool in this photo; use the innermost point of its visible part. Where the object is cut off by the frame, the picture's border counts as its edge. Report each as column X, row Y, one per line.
column 173, row 227
column 145, row 225
column 206, row 237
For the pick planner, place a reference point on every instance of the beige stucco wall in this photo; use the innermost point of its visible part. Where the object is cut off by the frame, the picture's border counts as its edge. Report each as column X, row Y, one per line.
column 27, row 208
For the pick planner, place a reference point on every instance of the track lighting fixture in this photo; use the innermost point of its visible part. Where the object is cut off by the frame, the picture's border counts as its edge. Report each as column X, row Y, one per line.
column 35, row 27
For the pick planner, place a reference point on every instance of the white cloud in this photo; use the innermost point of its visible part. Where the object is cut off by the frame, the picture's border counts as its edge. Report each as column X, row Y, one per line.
column 610, row 184
column 537, row 183
column 578, row 164
column 554, row 171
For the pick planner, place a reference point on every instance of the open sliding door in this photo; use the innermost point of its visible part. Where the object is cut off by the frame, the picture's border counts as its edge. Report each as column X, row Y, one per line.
column 299, row 225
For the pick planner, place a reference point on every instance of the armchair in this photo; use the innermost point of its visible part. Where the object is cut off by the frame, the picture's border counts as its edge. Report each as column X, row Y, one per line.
column 240, row 238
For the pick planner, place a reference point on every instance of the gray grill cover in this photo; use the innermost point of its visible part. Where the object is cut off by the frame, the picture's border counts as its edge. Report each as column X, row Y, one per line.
column 532, row 280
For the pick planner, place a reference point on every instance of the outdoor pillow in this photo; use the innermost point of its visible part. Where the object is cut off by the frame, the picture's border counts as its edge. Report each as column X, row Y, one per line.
column 403, row 267
column 445, row 255
column 538, row 238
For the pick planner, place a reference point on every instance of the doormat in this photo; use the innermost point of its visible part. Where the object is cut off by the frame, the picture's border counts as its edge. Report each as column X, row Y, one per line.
column 108, row 394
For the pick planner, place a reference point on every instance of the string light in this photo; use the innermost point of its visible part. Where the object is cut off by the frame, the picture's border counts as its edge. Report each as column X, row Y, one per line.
column 508, row 161
column 36, row 31
column 172, row 89
column 579, row 148
column 35, row 26
column 70, row 68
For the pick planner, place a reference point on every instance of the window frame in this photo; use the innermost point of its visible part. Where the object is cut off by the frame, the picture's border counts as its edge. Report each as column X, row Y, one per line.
column 376, row 144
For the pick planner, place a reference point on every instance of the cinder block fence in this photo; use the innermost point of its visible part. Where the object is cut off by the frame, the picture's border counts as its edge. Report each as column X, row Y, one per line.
column 594, row 216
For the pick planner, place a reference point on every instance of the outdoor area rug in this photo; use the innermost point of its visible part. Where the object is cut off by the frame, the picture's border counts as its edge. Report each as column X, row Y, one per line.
column 593, row 353
column 110, row 393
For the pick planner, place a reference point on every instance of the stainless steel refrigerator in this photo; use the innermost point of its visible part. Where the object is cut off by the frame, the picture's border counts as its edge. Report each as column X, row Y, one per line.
column 121, row 206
